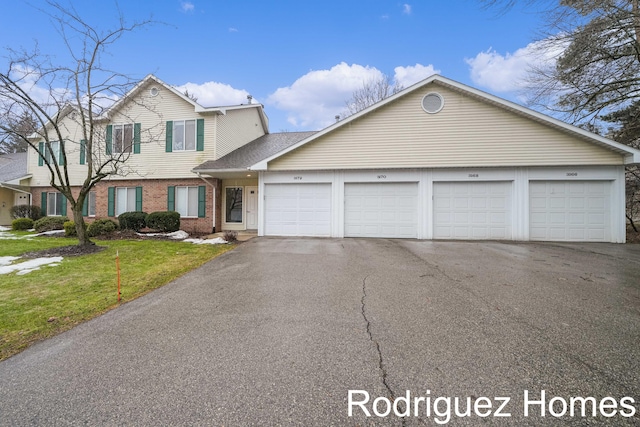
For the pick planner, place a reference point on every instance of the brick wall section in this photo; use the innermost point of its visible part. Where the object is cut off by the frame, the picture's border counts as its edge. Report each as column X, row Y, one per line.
column 154, row 198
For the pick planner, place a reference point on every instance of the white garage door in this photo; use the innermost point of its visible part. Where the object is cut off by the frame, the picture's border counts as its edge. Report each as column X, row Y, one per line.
column 472, row 210
column 297, row 210
column 570, row 210
column 381, row 210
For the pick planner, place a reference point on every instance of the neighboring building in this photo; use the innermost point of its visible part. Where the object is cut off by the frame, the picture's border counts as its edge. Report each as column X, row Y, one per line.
column 13, row 184
column 439, row 160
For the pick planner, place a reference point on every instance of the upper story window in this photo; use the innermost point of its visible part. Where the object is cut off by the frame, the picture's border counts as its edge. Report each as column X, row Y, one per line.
column 122, row 138
column 184, row 135
column 43, row 148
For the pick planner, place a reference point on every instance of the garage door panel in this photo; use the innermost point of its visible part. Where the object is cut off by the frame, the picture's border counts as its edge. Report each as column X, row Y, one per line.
column 570, row 211
column 472, row 210
column 298, row 210
column 381, row 210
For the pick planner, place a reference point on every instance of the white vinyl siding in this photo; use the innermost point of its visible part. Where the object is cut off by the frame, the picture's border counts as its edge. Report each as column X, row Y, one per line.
column 466, row 133
column 298, row 210
column 125, row 200
column 570, row 210
column 472, row 210
column 381, row 210
column 186, row 203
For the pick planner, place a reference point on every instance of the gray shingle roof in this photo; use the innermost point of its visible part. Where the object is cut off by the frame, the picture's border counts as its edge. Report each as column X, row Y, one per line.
column 12, row 166
column 255, row 151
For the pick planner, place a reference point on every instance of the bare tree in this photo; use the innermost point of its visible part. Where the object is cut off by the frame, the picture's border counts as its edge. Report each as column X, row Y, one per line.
column 24, row 124
column 372, row 91
column 79, row 91
column 595, row 57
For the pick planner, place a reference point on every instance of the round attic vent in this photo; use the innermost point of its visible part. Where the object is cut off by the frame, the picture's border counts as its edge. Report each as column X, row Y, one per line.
column 432, row 102
column 154, row 91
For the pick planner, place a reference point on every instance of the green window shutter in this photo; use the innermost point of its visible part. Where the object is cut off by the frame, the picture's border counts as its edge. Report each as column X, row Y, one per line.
column 109, row 140
column 171, row 198
column 41, row 153
column 136, row 138
column 83, row 148
column 63, row 209
column 169, row 141
column 139, row 199
column 43, row 203
column 202, row 201
column 85, row 206
column 111, row 201
column 200, row 135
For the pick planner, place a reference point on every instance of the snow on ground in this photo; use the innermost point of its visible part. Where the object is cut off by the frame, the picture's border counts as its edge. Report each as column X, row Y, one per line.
column 6, row 260
column 176, row 235
column 4, row 235
column 3, row 228
column 27, row 266
column 182, row 235
column 216, row 241
column 46, row 233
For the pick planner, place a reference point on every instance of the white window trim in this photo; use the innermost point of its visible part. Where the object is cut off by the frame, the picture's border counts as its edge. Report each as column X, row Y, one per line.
column 116, row 210
column 184, row 135
column 225, row 205
column 89, row 204
column 113, row 137
column 176, row 200
column 55, row 205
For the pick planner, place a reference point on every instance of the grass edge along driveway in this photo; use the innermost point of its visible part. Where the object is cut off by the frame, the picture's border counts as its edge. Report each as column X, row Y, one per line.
column 54, row 299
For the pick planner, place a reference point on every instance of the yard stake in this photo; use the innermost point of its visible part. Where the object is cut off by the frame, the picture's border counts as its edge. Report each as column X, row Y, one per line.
column 118, row 272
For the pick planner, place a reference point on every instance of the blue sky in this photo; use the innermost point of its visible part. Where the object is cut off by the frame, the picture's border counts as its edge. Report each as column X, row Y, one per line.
column 301, row 59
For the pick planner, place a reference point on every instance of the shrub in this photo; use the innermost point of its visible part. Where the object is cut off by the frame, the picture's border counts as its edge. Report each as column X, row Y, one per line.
column 165, row 221
column 70, row 229
column 26, row 211
column 230, row 236
column 101, row 226
column 22, row 224
column 133, row 220
column 49, row 223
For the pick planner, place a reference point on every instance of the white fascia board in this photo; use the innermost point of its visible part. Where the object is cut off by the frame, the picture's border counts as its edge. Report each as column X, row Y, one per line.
column 208, row 171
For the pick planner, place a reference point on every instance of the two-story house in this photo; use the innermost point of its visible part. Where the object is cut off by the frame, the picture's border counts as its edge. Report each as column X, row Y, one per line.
column 162, row 135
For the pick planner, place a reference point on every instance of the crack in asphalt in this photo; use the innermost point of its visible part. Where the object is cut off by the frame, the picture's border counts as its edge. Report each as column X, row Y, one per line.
column 381, row 367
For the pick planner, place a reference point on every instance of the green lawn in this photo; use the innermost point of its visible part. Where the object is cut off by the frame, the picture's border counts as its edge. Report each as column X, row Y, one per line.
column 53, row 299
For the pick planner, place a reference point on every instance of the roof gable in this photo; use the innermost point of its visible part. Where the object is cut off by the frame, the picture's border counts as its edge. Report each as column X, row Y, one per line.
column 473, row 129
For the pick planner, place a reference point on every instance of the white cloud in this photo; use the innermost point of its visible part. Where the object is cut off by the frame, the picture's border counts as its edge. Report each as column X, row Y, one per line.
column 187, row 6
column 406, row 9
column 233, row 30
column 412, row 74
column 313, row 100
column 214, row 94
column 508, row 73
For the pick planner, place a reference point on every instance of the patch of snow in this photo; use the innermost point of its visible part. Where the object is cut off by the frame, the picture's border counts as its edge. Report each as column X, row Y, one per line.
column 29, row 266
column 176, row 235
column 3, row 228
column 216, row 241
column 6, row 260
column 45, row 233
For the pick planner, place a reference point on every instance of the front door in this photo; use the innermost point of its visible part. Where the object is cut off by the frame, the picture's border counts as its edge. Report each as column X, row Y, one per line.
column 252, row 208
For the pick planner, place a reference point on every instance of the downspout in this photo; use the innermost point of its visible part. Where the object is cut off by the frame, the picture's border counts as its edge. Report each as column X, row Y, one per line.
column 213, row 227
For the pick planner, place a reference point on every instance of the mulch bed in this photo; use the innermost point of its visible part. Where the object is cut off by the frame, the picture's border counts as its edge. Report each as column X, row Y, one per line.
column 65, row 251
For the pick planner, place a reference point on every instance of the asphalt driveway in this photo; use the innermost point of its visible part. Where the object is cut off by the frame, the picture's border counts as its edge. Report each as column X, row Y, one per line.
column 278, row 331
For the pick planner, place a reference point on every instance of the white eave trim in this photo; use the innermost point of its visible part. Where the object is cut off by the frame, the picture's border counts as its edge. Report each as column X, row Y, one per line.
column 210, row 171
column 631, row 155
